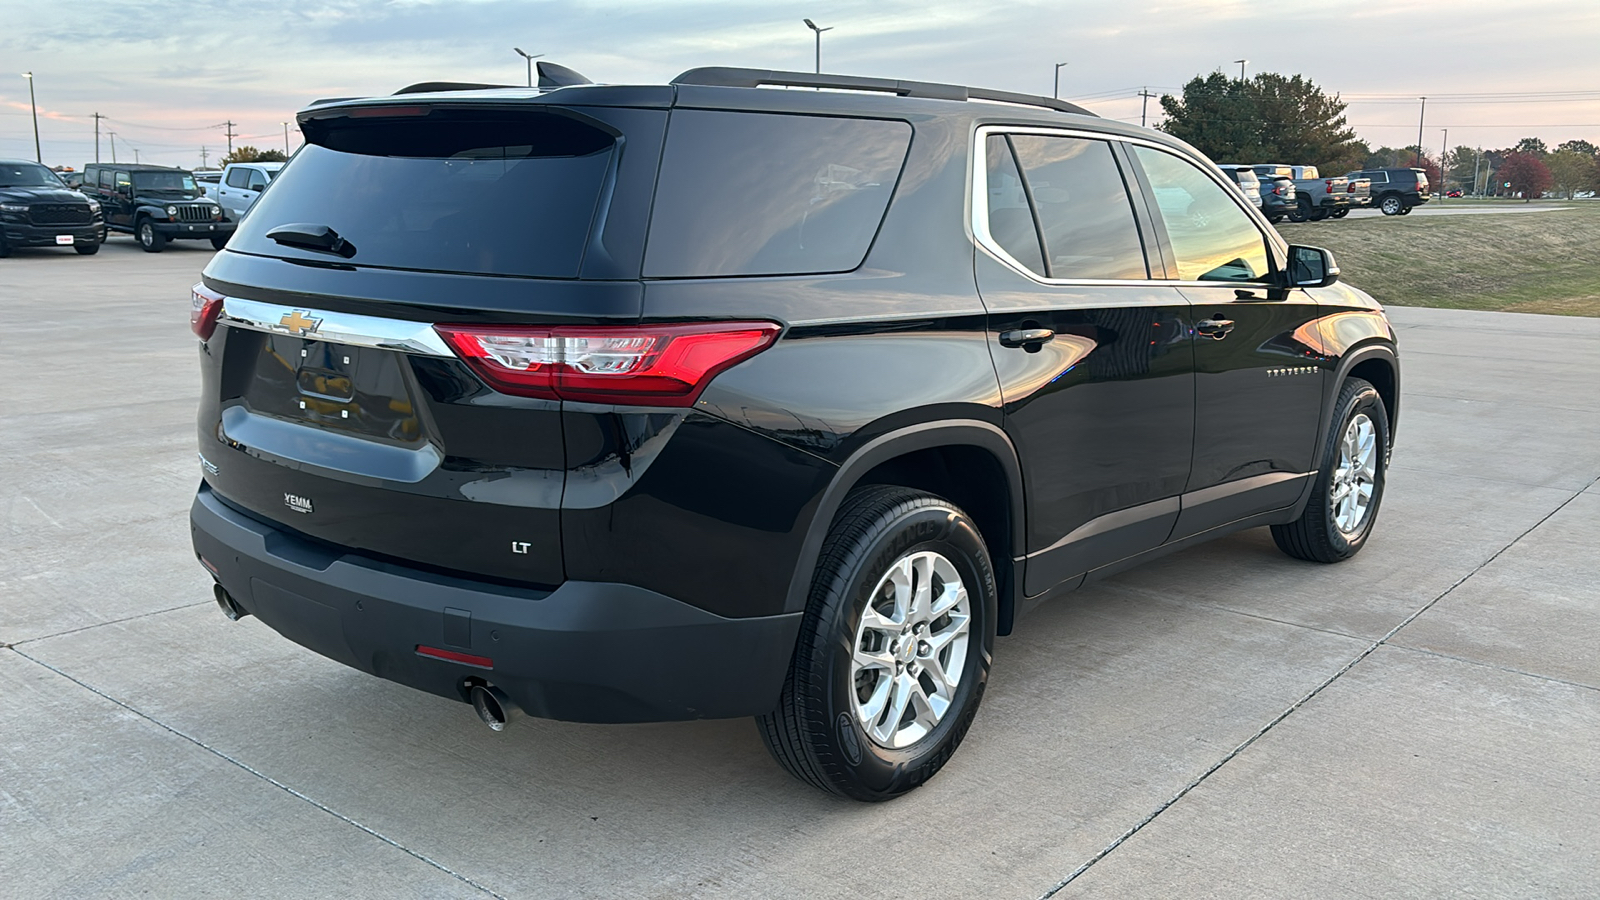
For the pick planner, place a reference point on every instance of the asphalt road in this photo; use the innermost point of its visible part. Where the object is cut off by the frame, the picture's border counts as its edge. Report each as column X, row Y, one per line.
column 1437, row 208
column 1419, row 722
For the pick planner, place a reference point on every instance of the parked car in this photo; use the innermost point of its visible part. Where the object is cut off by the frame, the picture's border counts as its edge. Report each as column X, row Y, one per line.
column 1359, row 193
column 1245, row 178
column 38, row 210
column 1396, row 191
column 1316, row 197
column 1275, row 190
column 1454, row 193
column 156, row 204
column 208, row 179
column 786, row 412
column 242, row 183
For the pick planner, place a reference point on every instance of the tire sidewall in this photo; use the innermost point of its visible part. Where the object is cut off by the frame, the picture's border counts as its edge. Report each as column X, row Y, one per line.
column 1368, row 401
column 1391, row 205
column 880, row 771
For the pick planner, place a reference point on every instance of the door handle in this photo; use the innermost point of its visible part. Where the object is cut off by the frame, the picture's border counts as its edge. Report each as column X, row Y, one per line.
column 1029, row 339
column 1214, row 328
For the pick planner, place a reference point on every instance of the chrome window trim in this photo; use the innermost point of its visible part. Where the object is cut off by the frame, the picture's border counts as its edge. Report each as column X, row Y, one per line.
column 402, row 335
column 978, row 201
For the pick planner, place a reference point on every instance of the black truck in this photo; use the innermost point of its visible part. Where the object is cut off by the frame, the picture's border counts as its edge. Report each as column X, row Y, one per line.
column 156, row 204
column 38, row 210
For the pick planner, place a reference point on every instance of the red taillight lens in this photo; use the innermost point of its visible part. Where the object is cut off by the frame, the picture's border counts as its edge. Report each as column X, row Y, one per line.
column 205, row 306
column 466, row 659
column 650, row 365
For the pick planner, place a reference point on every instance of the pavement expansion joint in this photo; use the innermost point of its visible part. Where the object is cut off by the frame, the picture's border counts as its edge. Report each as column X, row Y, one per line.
column 1310, row 695
column 79, row 630
column 262, row 775
column 1498, row 668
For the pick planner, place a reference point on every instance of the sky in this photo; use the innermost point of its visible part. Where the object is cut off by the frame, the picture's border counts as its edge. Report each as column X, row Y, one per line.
column 166, row 75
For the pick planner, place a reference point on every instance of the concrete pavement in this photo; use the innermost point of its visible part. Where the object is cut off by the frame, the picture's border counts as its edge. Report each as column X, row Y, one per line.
column 1420, row 721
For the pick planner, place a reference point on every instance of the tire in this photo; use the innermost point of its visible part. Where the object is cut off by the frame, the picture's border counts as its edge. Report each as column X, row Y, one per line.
column 1406, row 211
column 824, row 731
column 1392, row 205
column 87, row 249
column 1330, row 530
column 1341, row 213
column 151, row 240
column 1318, row 214
column 5, row 248
column 1275, row 218
column 217, row 243
column 1301, row 211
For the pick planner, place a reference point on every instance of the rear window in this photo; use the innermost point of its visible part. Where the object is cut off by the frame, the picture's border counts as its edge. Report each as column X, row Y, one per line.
column 764, row 194
column 469, row 191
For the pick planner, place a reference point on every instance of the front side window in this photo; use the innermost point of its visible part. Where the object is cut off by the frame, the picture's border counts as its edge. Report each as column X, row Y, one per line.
column 239, row 177
column 1212, row 238
column 124, row 183
column 1083, row 208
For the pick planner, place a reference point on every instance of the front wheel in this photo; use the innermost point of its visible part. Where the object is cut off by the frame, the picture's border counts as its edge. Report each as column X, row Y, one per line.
column 87, row 249
column 894, row 649
column 150, row 239
column 1405, row 211
column 217, row 243
column 1275, row 218
column 1341, row 212
column 1301, row 211
column 1349, row 487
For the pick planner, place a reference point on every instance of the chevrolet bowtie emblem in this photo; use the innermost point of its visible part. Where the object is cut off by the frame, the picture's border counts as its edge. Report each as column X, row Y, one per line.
column 300, row 323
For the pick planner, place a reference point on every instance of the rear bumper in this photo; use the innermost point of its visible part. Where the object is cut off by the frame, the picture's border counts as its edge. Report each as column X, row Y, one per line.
column 584, row 652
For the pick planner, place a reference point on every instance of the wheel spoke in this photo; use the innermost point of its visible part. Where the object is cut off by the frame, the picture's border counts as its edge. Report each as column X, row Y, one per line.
column 873, row 707
column 953, row 595
column 869, row 660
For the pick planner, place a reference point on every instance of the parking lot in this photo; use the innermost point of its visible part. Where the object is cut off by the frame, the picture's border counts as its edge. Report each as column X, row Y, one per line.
column 1420, row 721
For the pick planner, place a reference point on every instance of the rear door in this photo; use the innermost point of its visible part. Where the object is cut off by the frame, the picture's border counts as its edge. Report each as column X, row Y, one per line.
column 333, row 406
column 1094, row 359
column 1258, row 360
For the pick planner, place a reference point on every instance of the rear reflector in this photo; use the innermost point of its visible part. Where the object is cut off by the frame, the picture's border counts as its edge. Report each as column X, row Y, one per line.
column 466, row 659
column 649, row 365
column 205, row 306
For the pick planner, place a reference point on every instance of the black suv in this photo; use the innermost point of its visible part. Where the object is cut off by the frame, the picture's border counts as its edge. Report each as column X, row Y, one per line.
column 156, row 204
column 1396, row 191
column 38, row 210
column 695, row 400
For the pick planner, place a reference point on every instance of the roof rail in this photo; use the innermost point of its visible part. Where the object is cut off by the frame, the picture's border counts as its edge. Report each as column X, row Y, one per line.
column 430, row 87
column 721, row 76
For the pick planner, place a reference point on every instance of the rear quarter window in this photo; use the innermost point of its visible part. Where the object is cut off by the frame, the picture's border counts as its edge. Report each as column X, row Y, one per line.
column 765, row 194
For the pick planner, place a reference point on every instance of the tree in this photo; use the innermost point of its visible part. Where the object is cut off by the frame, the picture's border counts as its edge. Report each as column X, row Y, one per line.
column 1531, row 145
column 1572, row 171
column 245, row 153
column 1526, row 174
column 1269, row 118
column 1461, row 164
column 1584, row 147
column 1388, row 158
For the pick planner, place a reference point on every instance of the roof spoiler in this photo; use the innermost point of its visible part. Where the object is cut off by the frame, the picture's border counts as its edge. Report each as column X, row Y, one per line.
column 718, row 76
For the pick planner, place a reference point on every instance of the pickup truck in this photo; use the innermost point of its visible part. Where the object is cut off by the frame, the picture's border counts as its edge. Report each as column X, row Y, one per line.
column 1359, row 193
column 242, row 183
column 1316, row 197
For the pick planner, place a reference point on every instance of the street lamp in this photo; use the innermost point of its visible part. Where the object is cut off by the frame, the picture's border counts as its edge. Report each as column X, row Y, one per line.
column 1055, row 92
column 38, row 155
column 286, row 140
column 530, row 60
column 1241, row 63
column 813, row 26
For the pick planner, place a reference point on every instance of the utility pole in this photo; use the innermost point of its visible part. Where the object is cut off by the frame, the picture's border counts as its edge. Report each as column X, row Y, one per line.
column 1241, row 63
column 113, row 147
column 230, row 137
column 203, row 156
column 97, row 118
column 1055, row 93
column 1422, row 114
column 813, row 26
column 1444, row 176
column 286, row 140
column 136, row 156
column 1143, row 104
column 1475, row 163
column 38, row 155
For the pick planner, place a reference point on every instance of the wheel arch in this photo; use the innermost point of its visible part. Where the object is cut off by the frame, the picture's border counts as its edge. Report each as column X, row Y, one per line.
column 971, row 463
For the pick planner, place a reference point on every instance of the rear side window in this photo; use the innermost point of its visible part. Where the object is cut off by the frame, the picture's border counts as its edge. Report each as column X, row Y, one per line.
column 468, row 191
column 762, row 194
column 1010, row 216
column 105, row 178
column 1083, row 208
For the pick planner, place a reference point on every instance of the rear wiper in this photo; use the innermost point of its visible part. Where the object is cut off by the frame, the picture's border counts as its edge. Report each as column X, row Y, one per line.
column 312, row 237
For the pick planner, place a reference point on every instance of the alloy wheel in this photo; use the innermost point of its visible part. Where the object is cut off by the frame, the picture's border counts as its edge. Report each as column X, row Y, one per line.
column 1355, row 478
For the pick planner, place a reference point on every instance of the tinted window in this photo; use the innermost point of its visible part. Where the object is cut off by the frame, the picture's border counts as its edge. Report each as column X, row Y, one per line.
column 238, row 177
column 123, row 181
column 258, row 181
column 759, row 194
column 1212, row 238
column 105, row 178
column 1083, row 207
column 1011, row 222
column 469, row 191
column 27, row 175
column 165, row 181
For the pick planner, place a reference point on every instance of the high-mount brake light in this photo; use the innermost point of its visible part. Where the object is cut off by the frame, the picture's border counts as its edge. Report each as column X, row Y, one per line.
column 204, row 307
column 646, row 365
column 386, row 112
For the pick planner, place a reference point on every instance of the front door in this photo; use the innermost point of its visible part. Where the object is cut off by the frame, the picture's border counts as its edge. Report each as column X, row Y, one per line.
column 1259, row 372
column 121, row 209
column 1094, row 359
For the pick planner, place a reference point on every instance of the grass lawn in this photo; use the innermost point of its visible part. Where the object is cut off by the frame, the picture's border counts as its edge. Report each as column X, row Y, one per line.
column 1535, row 262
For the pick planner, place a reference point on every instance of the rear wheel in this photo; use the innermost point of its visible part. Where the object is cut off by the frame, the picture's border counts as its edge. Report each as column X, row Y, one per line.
column 1275, row 218
column 1392, row 205
column 1301, row 211
column 1349, row 487
column 894, row 651
column 150, row 239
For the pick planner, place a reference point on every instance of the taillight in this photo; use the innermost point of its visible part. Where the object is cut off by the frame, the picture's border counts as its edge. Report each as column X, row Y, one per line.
column 205, row 306
column 649, row 365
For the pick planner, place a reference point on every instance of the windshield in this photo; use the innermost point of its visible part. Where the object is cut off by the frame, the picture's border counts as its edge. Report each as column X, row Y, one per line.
column 164, row 181
column 27, row 175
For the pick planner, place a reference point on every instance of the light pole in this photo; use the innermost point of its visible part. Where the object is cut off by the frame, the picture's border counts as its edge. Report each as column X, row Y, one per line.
column 38, row 155
column 1444, row 178
column 530, row 60
column 1241, row 63
column 1055, row 92
column 113, row 135
column 813, row 26
column 1421, row 115
column 286, row 140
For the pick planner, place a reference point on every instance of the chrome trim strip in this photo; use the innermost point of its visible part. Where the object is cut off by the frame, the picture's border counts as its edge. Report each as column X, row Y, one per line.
column 335, row 327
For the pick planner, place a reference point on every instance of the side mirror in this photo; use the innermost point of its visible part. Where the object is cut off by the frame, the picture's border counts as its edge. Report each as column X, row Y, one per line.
column 1311, row 267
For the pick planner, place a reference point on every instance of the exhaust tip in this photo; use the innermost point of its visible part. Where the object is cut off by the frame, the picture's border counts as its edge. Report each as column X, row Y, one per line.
column 229, row 606
column 493, row 706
